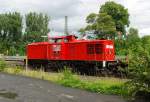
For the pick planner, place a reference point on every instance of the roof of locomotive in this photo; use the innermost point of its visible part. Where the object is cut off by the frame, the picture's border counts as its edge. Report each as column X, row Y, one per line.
column 73, row 40
column 97, row 40
column 38, row 43
column 61, row 37
column 76, row 41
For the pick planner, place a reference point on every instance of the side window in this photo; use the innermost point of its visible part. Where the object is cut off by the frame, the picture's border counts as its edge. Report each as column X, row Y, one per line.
column 66, row 40
column 94, row 48
column 90, row 48
column 98, row 49
column 58, row 40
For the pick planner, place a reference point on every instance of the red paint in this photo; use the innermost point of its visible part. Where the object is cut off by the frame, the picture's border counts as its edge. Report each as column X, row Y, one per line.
column 72, row 49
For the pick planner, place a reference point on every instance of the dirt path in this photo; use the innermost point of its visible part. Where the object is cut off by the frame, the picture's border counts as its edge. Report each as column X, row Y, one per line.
column 23, row 89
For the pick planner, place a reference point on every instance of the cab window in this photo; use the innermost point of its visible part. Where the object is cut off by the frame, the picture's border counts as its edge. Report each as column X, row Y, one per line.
column 58, row 40
column 94, row 48
column 66, row 40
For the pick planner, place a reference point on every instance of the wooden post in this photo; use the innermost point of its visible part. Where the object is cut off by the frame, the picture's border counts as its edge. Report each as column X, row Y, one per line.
column 26, row 63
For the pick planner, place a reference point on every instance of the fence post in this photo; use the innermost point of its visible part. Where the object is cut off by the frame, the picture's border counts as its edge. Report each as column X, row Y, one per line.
column 26, row 63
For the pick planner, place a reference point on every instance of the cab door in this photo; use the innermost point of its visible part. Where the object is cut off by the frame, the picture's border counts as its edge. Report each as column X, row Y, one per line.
column 56, row 51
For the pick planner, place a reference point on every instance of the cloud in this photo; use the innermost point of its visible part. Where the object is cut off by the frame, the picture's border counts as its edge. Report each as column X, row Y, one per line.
column 139, row 15
column 56, row 8
column 77, row 10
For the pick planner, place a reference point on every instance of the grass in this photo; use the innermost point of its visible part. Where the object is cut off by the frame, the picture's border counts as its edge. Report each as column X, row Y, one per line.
column 103, row 85
column 33, row 73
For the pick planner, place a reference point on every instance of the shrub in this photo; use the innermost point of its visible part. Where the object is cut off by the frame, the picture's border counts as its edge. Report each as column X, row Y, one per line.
column 2, row 65
column 138, row 85
column 139, row 71
column 70, row 80
column 67, row 78
column 17, row 70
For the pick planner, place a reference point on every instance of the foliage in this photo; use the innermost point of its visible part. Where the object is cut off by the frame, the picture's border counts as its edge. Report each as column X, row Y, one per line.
column 67, row 78
column 82, row 30
column 132, row 41
column 121, row 47
column 13, row 41
column 10, row 32
column 102, row 24
column 139, row 66
column 133, row 37
column 17, row 70
column 118, row 13
column 105, row 87
column 2, row 65
column 37, row 25
column 139, row 85
column 138, row 53
column 111, row 19
column 146, row 43
column 10, row 26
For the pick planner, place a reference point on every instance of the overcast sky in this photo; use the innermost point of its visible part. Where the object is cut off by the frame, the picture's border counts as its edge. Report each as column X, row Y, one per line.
column 77, row 10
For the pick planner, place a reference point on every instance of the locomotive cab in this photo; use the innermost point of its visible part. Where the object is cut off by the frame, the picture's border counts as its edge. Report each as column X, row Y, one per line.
column 62, row 39
column 58, row 46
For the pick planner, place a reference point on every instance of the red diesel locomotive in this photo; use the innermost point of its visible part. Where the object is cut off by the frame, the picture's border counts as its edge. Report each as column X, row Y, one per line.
column 84, row 56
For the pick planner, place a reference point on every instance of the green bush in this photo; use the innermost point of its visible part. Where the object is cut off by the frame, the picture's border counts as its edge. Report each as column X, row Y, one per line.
column 70, row 80
column 17, row 70
column 139, row 71
column 2, row 65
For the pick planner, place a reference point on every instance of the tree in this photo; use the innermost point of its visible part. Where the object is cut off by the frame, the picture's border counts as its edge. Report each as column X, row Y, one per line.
column 10, row 32
column 81, row 30
column 133, row 33
column 105, row 25
column 112, row 18
column 119, row 14
column 139, row 71
column 102, row 25
column 11, row 26
column 133, row 37
column 146, row 43
column 36, row 26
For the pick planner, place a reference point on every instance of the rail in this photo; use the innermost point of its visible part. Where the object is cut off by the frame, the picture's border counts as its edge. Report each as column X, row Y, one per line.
column 22, row 58
column 13, row 58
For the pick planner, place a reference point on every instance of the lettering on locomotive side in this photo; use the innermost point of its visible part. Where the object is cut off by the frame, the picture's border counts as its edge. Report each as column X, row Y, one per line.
column 109, row 46
column 56, row 47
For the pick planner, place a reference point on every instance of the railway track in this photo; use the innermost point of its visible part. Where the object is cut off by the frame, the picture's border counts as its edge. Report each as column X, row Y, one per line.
column 20, row 60
column 13, row 58
column 13, row 61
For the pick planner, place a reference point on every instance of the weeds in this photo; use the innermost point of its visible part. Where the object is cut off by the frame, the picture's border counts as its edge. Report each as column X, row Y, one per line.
column 2, row 65
column 67, row 78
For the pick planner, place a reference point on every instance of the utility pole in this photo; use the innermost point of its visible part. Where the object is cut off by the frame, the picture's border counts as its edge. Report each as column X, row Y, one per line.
column 66, row 25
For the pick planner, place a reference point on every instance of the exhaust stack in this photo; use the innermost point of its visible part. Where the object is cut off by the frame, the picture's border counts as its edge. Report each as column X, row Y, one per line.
column 66, row 26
